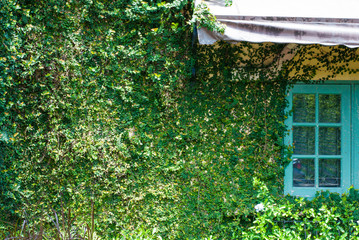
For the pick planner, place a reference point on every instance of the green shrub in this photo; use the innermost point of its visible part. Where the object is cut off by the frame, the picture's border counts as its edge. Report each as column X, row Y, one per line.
column 327, row 216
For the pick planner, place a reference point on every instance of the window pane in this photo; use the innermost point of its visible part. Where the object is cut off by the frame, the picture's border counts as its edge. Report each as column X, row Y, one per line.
column 303, row 172
column 303, row 107
column 304, row 140
column 329, row 108
column 329, row 141
column 329, row 172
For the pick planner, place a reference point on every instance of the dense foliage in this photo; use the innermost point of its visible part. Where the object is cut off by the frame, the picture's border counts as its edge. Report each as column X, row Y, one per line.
column 327, row 216
column 111, row 103
column 86, row 88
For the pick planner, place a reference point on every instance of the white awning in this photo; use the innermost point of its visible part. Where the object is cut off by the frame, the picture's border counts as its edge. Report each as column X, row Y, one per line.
column 326, row 22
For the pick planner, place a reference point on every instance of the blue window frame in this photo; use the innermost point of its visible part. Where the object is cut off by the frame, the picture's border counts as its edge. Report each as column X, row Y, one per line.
column 323, row 129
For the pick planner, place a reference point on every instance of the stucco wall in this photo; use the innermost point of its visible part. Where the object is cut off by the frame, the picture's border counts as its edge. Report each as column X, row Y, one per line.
column 324, row 61
column 328, row 59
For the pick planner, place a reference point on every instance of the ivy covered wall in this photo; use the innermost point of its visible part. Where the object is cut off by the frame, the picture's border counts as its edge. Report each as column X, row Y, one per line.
column 99, row 104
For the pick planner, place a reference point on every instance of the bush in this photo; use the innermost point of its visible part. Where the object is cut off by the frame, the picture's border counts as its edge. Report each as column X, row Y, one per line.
column 327, row 216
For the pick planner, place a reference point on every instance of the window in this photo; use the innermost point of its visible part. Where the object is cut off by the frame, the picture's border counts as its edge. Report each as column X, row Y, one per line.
column 323, row 135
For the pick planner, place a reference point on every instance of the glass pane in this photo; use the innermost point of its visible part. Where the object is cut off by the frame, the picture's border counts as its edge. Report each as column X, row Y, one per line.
column 303, row 107
column 329, row 108
column 329, row 172
column 329, row 141
column 304, row 140
column 303, row 172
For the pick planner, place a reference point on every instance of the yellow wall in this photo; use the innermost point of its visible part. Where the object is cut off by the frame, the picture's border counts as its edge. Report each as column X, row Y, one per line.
column 324, row 69
column 323, row 58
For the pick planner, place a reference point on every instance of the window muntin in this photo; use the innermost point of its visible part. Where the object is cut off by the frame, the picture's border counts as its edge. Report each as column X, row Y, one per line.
column 320, row 135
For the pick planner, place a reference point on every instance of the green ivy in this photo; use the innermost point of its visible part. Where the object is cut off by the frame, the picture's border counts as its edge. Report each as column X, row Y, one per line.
column 99, row 103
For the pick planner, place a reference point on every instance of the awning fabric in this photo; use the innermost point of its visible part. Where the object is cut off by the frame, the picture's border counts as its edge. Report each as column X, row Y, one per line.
column 326, row 22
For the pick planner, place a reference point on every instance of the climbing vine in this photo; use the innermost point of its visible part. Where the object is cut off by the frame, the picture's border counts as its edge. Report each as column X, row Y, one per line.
column 111, row 102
